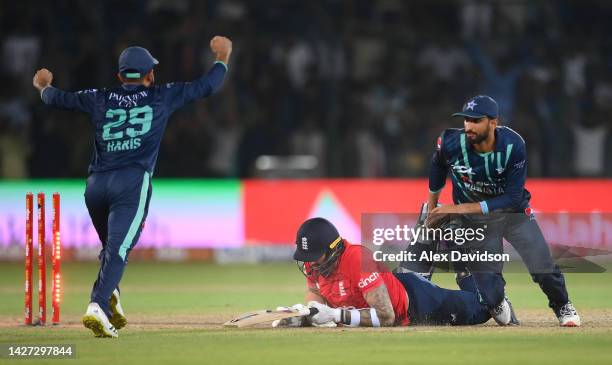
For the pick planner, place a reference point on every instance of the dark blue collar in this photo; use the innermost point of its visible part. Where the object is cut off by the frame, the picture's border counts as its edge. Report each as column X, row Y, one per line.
column 131, row 87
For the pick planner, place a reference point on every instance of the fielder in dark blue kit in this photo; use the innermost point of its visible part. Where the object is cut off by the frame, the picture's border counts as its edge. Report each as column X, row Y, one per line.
column 129, row 123
column 488, row 168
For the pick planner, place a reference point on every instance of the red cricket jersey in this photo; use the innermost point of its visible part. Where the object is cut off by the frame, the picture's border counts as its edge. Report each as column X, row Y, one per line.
column 356, row 274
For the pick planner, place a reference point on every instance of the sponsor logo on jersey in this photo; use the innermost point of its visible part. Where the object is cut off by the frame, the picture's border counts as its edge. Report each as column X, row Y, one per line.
column 463, row 169
column 130, row 100
column 484, row 187
column 341, row 288
column 519, row 165
column 369, row 280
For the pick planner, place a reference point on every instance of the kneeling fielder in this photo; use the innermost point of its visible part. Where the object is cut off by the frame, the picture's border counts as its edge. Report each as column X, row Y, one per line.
column 341, row 276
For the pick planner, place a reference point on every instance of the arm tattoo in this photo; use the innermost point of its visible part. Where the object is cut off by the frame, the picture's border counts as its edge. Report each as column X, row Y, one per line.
column 379, row 300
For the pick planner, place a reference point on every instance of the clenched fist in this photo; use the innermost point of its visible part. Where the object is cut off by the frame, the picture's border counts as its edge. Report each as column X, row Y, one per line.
column 222, row 48
column 42, row 79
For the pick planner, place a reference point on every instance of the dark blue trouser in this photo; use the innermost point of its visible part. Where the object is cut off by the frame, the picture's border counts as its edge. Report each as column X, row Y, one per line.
column 486, row 276
column 524, row 234
column 430, row 304
column 118, row 202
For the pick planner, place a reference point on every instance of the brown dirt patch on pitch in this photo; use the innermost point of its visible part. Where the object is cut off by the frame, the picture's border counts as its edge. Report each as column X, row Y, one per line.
column 540, row 320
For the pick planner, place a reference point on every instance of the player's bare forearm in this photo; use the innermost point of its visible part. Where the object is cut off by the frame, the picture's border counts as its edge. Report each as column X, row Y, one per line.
column 379, row 300
column 467, row 208
column 312, row 294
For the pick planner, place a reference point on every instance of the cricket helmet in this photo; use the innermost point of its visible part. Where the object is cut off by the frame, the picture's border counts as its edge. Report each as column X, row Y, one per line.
column 316, row 238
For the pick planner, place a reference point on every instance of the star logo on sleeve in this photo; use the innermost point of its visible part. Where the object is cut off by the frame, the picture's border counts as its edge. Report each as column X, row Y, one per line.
column 470, row 105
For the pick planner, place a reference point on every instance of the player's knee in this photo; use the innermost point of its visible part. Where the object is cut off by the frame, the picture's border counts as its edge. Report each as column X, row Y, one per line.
column 113, row 255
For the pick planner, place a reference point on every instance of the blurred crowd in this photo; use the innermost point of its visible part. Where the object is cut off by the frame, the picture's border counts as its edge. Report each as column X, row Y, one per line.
column 363, row 86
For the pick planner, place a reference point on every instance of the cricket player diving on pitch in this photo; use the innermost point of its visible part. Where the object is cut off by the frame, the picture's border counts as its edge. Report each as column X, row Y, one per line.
column 349, row 288
column 488, row 168
column 129, row 122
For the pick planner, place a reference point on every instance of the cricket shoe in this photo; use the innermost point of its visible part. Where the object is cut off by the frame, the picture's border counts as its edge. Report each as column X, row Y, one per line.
column 96, row 320
column 118, row 317
column 502, row 314
column 513, row 318
column 567, row 315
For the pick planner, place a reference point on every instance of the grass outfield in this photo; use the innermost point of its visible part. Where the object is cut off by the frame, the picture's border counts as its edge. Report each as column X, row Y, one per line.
column 176, row 310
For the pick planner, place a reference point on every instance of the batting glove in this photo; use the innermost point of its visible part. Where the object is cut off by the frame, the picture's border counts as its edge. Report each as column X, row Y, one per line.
column 293, row 321
column 325, row 315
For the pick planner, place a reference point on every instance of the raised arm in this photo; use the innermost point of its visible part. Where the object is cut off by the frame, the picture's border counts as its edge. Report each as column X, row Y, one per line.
column 180, row 93
column 82, row 100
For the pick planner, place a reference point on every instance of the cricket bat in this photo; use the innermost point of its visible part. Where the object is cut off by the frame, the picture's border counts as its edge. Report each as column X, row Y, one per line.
column 267, row 315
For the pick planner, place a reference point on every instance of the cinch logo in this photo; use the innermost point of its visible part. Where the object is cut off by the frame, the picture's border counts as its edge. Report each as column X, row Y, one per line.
column 369, row 280
column 304, row 243
column 341, row 288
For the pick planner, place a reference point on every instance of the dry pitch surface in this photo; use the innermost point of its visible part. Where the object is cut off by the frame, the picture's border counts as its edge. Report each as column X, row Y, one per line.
column 176, row 311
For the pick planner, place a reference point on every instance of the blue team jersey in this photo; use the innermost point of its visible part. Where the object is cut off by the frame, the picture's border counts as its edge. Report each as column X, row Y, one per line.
column 495, row 179
column 129, row 121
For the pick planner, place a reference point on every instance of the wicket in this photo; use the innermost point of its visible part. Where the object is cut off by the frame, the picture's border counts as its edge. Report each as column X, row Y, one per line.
column 42, row 264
